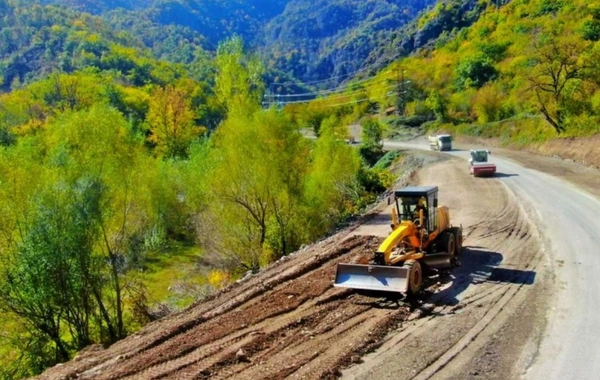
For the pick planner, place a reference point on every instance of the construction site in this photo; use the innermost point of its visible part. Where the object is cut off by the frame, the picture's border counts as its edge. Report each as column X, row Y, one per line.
column 289, row 321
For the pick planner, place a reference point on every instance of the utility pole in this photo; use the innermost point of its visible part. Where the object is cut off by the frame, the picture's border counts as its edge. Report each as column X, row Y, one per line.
column 401, row 91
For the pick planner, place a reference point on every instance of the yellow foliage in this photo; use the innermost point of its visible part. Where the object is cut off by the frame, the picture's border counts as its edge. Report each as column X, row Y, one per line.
column 79, row 24
column 172, row 122
column 30, row 127
column 219, row 278
column 93, row 38
column 488, row 104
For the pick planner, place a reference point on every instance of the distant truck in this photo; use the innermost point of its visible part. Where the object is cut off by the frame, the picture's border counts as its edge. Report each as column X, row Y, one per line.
column 479, row 165
column 440, row 142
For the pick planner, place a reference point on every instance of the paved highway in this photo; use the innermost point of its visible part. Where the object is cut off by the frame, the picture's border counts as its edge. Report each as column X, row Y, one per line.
column 569, row 222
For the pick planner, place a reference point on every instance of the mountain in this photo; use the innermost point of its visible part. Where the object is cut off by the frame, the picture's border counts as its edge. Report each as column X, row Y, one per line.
column 323, row 41
column 99, row 6
column 302, row 39
column 315, row 40
column 213, row 19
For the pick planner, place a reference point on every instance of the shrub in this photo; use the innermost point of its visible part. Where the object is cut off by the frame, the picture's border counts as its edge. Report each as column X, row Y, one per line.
column 387, row 160
column 475, row 71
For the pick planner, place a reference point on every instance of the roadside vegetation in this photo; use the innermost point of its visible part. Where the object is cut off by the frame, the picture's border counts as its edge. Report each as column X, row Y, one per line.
column 122, row 200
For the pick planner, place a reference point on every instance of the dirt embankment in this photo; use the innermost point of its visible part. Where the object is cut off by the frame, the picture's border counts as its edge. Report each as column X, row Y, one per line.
column 289, row 321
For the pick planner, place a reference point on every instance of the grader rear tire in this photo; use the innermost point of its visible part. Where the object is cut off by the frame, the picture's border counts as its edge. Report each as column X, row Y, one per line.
column 450, row 243
column 456, row 233
column 415, row 276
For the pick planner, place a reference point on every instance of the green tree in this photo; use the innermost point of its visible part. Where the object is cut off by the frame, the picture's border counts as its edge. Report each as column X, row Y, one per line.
column 372, row 132
column 372, row 141
column 436, row 103
column 331, row 184
column 52, row 279
column 557, row 76
column 591, row 30
column 238, row 84
column 475, row 71
column 98, row 144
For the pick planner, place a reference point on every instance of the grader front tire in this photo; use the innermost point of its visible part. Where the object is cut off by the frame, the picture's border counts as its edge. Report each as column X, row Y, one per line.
column 415, row 276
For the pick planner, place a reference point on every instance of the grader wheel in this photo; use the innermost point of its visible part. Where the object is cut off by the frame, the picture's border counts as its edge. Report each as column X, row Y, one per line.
column 415, row 276
column 455, row 234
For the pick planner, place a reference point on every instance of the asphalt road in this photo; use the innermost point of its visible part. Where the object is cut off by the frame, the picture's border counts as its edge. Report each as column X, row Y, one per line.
column 569, row 222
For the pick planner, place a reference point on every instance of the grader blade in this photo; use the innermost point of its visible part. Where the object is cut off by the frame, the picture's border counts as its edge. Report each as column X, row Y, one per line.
column 372, row 277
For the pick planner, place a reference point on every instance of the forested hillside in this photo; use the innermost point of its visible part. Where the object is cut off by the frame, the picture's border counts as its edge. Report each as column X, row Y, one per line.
column 215, row 20
column 99, row 6
column 319, row 39
column 298, row 39
column 524, row 72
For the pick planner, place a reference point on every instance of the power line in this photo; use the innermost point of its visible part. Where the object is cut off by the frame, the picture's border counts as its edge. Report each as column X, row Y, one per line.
column 321, row 80
column 284, row 103
column 340, row 96
column 361, row 100
column 325, row 92
column 387, row 87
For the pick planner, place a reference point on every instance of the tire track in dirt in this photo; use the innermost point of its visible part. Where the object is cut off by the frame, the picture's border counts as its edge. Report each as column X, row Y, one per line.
column 512, row 223
column 102, row 364
column 460, row 310
column 278, row 297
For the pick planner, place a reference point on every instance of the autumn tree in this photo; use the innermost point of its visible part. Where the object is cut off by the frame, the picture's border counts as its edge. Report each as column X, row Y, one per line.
column 171, row 121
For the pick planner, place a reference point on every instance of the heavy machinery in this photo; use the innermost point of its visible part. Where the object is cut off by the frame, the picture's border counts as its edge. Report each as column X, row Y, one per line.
column 422, row 240
column 479, row 165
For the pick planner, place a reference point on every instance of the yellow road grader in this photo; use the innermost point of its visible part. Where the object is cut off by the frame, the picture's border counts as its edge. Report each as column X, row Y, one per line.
column 422, row 239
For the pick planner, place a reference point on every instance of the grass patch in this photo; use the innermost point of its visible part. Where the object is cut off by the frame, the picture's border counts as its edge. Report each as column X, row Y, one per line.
column 170, row 276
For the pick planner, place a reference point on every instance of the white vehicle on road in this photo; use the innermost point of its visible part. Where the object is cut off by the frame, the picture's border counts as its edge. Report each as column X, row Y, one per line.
column 440, row 142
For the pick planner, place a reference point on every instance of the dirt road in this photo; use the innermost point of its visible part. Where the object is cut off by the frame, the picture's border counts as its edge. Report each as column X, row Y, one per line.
column 288, row 321
column 569, row 222
column 484, row 321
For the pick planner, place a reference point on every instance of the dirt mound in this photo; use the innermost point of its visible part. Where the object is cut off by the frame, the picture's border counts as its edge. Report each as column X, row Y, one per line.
column 288, row 320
